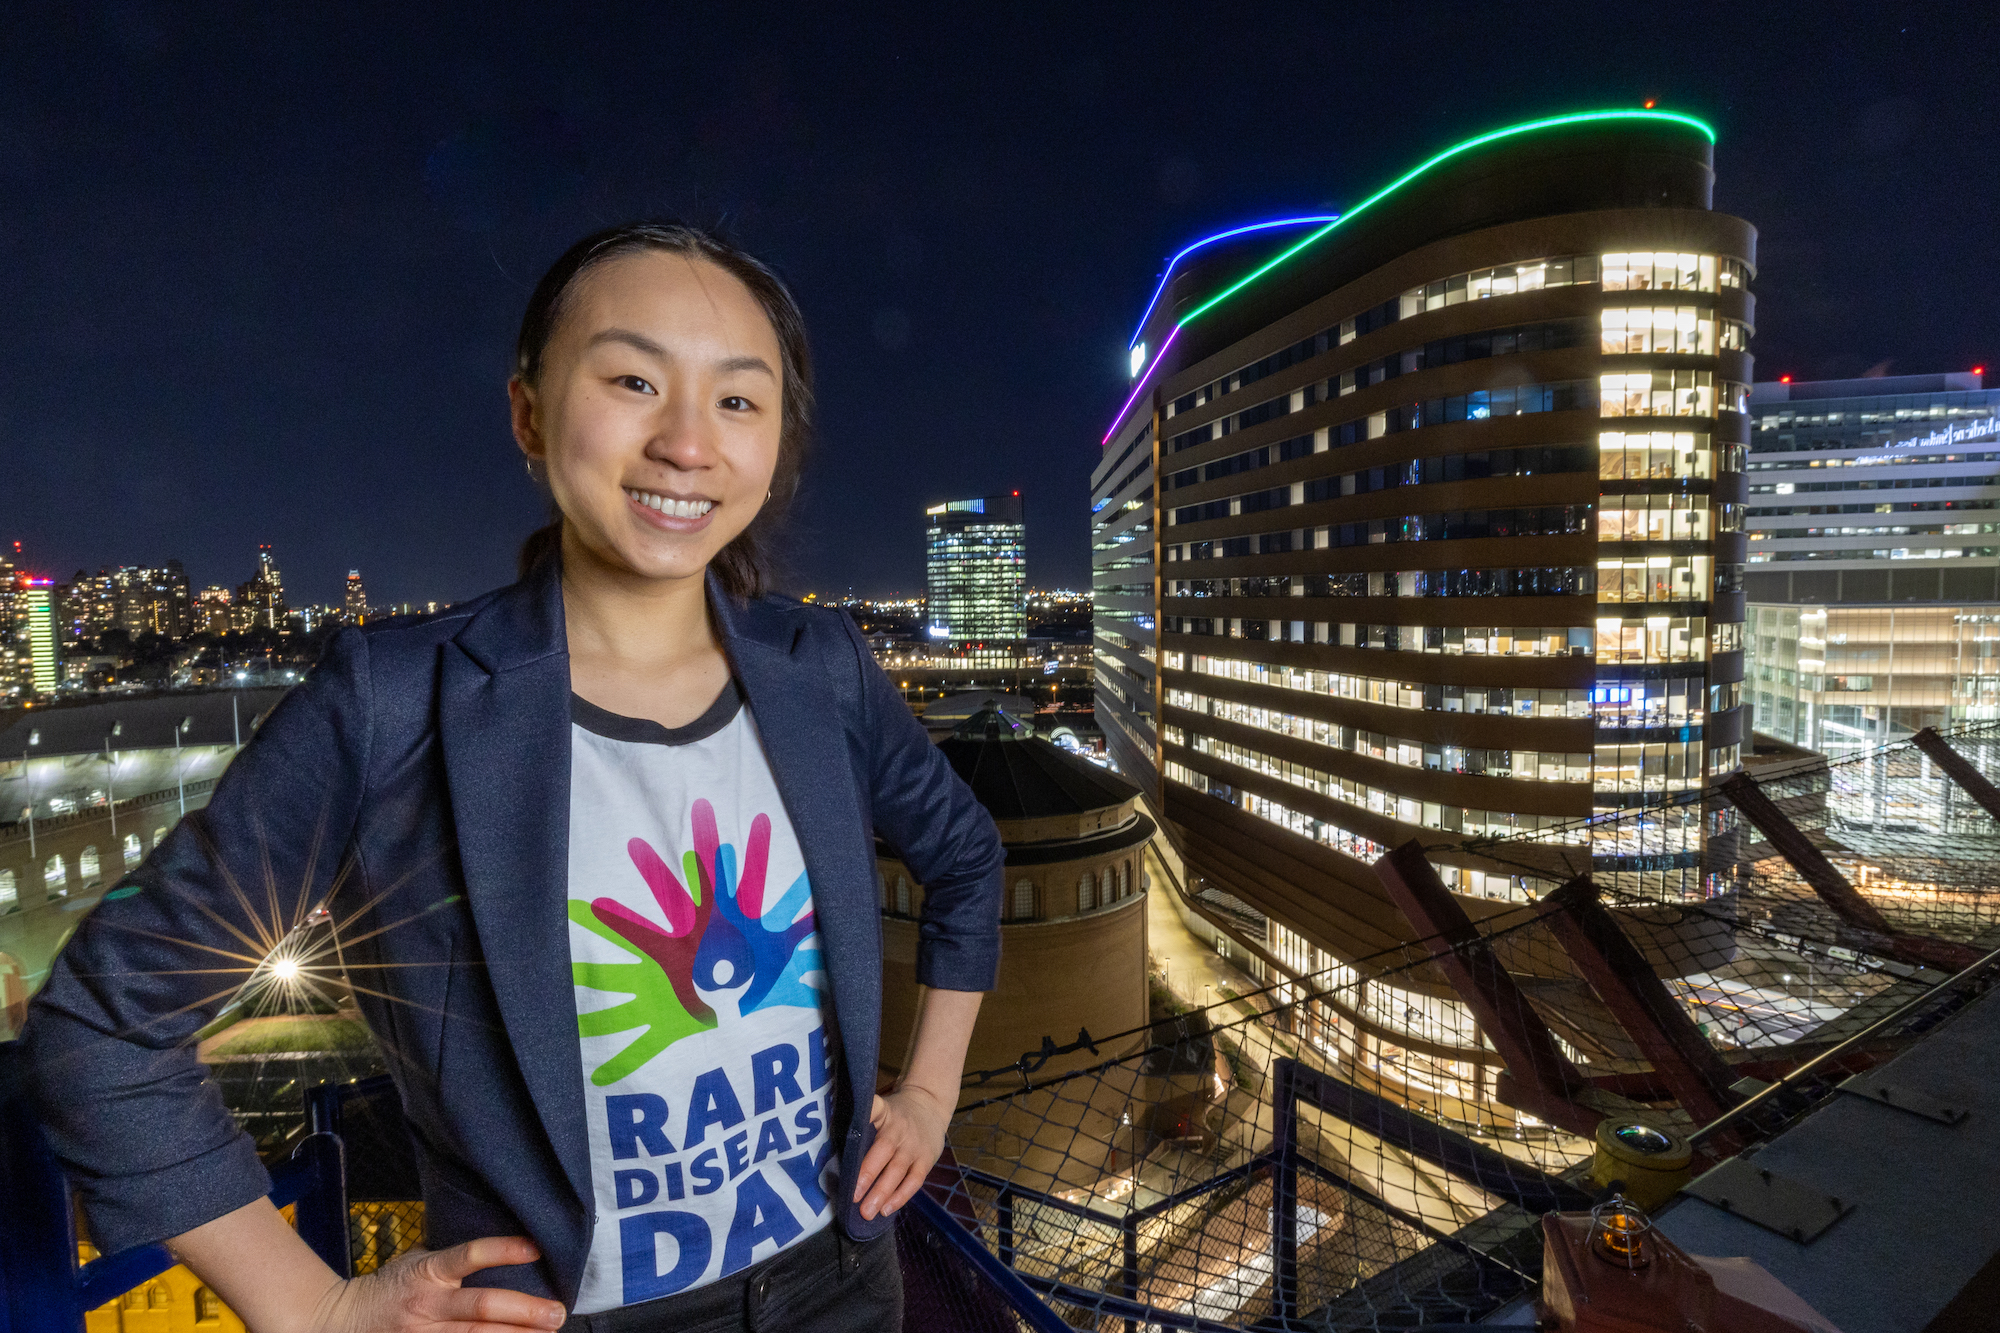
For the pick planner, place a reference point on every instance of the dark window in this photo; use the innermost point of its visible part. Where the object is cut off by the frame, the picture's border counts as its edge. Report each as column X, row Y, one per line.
column 1202, row 513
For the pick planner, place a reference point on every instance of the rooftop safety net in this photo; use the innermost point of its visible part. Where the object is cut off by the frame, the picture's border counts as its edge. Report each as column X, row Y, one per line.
column 1354, row 1148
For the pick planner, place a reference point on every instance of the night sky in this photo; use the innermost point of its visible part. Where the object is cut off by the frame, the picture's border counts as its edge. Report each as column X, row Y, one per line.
column 263, row 264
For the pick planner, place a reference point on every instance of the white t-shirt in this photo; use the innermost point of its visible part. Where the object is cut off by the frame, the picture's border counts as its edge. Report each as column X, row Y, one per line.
column 700, row 1001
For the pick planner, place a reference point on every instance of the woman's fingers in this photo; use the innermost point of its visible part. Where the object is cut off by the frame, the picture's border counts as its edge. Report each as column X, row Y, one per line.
column 898, row 1174
column 913, row 1180
column 454, row 1265
column 879, row 1152
column 878, row 1198
column 441, row 1300
column 496, row 1306
column 908, row 1137
column 879, row 1155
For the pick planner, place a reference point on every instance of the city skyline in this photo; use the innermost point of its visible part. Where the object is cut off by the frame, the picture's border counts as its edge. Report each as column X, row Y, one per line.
column 334, row 374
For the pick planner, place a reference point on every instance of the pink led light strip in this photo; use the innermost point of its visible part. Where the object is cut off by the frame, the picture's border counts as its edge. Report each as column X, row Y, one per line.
column 1158, row 358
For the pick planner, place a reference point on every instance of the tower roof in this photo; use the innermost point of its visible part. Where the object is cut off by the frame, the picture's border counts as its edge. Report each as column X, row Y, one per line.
column 1017, row 775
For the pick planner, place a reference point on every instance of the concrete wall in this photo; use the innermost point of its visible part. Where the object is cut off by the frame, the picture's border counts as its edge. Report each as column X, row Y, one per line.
column 1086, row 971
column 1050, row 827
column 36, row 916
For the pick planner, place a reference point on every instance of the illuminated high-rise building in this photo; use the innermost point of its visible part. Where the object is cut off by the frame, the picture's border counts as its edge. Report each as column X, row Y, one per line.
column 1874, row 558
column 211, row 611
column 35, row 615
column 13, row 658
column 355, row 603
column 87, row 605
column 141, row 600
column 975, row 561
column 267, row 569
column 260, row 603
column 1443, row 502
column 9, row 589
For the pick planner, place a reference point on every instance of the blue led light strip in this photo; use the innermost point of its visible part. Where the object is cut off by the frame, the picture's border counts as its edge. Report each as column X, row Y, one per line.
column 1329, row 224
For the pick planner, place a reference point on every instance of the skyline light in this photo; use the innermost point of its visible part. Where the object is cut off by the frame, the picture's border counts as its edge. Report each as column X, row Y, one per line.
column 1335, row 220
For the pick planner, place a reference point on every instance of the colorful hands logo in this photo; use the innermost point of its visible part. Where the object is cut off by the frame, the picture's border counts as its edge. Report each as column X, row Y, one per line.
column 754, row 935
column 715, row 917
column 664, row 1001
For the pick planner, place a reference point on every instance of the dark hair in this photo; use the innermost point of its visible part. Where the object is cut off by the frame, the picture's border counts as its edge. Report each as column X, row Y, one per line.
column 743, row 566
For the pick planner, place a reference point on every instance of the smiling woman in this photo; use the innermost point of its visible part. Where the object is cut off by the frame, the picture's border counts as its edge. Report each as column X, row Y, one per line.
column 606, row 885
column 742, row 563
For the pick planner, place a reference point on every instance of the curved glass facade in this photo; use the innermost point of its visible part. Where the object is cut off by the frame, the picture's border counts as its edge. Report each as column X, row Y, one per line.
column 1513, row 472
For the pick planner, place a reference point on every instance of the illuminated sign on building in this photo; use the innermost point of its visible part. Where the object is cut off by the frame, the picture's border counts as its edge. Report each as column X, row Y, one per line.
column 1964, row 430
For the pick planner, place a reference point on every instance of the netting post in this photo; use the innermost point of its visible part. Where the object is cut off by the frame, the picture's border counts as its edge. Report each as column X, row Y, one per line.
column 326, row 1109
column 1538, row 1073
column 1693, row 1071
column 1786, row 838
column 1833, row 888
column 321, row 1215
column 1128, row 1272
column 1959, row 769
column 1006, row 1210
column 1285, row 1192
column 38, row 1275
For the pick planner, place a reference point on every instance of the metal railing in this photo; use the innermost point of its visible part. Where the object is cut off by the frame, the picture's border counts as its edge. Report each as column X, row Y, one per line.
column 43, row 1287
column 950, row 1276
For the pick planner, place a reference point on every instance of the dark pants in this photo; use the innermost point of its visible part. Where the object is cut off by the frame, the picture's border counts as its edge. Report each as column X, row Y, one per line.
column 828, row 1284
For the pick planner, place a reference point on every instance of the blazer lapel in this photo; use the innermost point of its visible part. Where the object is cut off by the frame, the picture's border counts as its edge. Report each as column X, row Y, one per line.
column 800, row 724
column 504, row 721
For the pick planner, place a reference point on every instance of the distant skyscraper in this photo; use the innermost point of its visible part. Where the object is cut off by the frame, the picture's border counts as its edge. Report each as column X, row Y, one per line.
column 1872, row 614
column 36, row 609
column 267, row 569
column 211, row 614
column 8, row 559
column 86, row 606
column 975, row 555
column 260, row 603
column 356, row 601
column 173, row 598
column 136, row 599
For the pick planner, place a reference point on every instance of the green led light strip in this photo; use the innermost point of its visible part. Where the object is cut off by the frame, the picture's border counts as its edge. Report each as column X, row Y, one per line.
column 1550, row 122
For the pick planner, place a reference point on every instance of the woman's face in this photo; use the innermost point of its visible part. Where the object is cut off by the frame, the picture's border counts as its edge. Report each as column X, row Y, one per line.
column 657, row 412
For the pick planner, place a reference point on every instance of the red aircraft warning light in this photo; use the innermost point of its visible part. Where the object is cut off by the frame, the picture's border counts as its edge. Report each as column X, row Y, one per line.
column 1784, row 379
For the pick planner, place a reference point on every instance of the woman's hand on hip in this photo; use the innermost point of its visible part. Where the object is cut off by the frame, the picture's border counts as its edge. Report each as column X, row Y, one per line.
column 422, row 1293
column 909, row 1123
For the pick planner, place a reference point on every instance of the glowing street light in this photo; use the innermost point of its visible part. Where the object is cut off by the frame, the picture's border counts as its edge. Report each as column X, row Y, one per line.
column 28, row 779
column 111, row 777
column 180, row 779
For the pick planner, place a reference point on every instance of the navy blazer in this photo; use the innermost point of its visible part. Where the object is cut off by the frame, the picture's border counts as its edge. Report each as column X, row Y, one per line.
column 418, row 782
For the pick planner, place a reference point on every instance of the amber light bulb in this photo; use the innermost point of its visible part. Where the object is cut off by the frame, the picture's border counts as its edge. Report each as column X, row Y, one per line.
column 1618, row 1233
